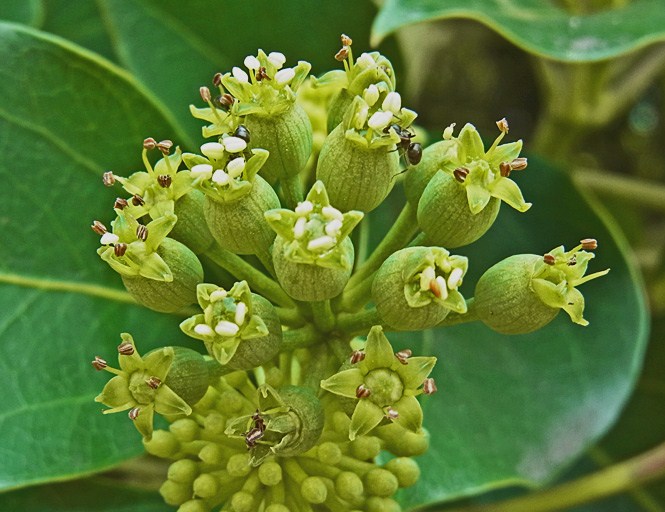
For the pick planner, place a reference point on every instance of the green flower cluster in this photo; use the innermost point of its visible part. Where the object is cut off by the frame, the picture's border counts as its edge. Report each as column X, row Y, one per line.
column 290, row 396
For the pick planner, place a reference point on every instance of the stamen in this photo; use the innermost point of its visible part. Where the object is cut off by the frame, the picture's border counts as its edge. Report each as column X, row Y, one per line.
column 549, row 259
column 137, row 200
column 321, row 243
column 201, row 171
column 333, row 227
column 226, row 101
column 252, row 62
column 142, row 232
column 299, row 228
column 284, row 76
column 134, row 413
column 371, row 95
column 262, row 74
column 362, row 391
column 218, row 294
column 149, row 143
column 234, row 144
column 165, row 146
column 455, row 278
column 109, row 239
column 126, row 349
column 331, row 212
column 441, row 284
column 98, row 227
column 504, row 169
column 277, row 59
column 120, row 203
column 519, row 164
column 120, row 249
column 380, row 120
column 164, row 180
column 241, row 312
column 426, row 277
column 153, row 382
column 99, row 364
column 205, row 94
column 392, row 103
column 460, row 174
column 589, row 244
column 403, row 355
column 226, row 328
column 448, row 132
column 203, row 330
column 304, row 207
column 240, row 75
column 217, row 79
column 391, row 414
column 342, row 54
column 220, row 177
column 502, row 124
column 429, row 386
column 357, row 356
column 108, row 178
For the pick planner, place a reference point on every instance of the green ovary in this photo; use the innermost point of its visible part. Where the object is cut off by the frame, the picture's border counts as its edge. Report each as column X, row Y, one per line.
column 385, row 386
column 141, row 392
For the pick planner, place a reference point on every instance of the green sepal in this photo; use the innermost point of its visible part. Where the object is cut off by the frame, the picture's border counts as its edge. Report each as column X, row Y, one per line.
column 220, row 121
column 366, row 416
column 344, row 383
column 410, row 413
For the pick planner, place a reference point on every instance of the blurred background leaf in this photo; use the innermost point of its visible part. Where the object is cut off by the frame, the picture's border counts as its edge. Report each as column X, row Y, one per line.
column 28, row 12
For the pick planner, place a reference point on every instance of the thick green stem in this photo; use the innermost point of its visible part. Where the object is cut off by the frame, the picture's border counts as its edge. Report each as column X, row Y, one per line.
column 399, row 235
column 358, row 323
column 356, row 297
column 421, row 239
column 606, row 482
column 216, row 370
column 290, row 317
column 291, row 191
column 323, row 316
column 299, row 338
column 455, row 318
column 258, row 281
column 266, row 260
column 638, row 192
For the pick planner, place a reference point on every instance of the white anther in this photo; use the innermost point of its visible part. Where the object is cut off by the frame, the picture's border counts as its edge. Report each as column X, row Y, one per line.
column 284, row 76
column 252, row 62
column 426, row 276
column 277, row 59
column 448, row 132
column 226, row 328
column 330, row 212
column 320, row 244
column 304, row 207
column 371, row 94
column 380, row 120
column 361, row 117
column 213, row 150
column 365, row 60
column 393, row 102
column 220, row 177
column 241, row 312
column 218, row 295
column 203, row 330
column 442, row 287
column 333, row 227
column 455, row 277
column 234, row 144
column 109, row 238
column 299, row 228
column 202, row 171
column 240, row 75
column 235, row 167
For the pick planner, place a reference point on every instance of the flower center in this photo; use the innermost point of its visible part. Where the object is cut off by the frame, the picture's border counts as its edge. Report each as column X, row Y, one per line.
column 141, row 392
column 385, row 386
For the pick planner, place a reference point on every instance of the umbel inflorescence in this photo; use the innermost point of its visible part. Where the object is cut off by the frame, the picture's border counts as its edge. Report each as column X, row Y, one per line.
column 300, row 390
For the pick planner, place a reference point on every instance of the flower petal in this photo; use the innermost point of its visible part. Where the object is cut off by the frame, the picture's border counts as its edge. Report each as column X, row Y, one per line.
column 344, row 383
column 478, row 197
column 410, row 413
column 508, row 191
column 143, row 421
column 116, row 395
column 416, row 371
column 574, row 306
column 158, row 362
column 168, row 403
column 379, row 352
column 366, row 416
column 471, row 142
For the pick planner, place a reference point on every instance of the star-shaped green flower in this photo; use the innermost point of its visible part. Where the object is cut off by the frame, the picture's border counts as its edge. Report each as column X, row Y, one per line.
column 385, row 384
column 314, row 232
column 139, row 386
column 226, row 321
column 130, row 249
column 158, row 188
column 557, row 276
column 484, row 174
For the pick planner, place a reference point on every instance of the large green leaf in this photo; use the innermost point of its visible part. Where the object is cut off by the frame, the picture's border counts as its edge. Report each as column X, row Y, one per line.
column 517, row 410
column 65, row 118
column 175, row 47
column 82, row 496
column 540, row 27
column 29, row 12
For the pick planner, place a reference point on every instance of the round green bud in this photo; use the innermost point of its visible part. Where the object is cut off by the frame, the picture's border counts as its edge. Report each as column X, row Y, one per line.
column 314, row 490
column 402, row 442
column 365, row 447
column 288, row 138
column 376, row 504
column 175, row 493
column 188, row 375
column 239, row 226
column 405, row 469
column 349, row 486
column 445, row 217
column 505, row 301
column 242, row 501
column 183, row 471
column 238, row 465
column 277, row 507
column 381, row 482
column 194, row 506
column 310, row 282
column 270, row 473
column 254, row 352
column 185, row 429
column 163, row 444
column 232, row 400
column 329, row 453
column 356, row 177
column 213, row 454
column 274, row 377
column 191, row 228
column 341, row 422
column 206, row 486
column 420, row 175
column 214, row 423
column 172, row 296
column 307, row 407
column 415, row 288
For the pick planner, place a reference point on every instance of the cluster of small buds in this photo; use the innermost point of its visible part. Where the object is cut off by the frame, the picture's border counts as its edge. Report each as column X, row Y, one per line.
column 300, row 391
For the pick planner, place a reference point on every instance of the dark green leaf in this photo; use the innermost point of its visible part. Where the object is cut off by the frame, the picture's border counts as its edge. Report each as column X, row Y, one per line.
column 518, row 410
column 28, row 12
column 79, row 22
column 542, row 28
column 82, row 496
column 175, row 47
column 65, row 117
